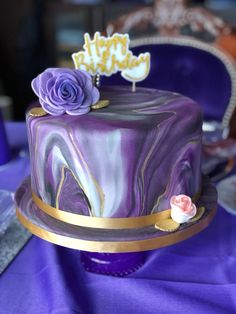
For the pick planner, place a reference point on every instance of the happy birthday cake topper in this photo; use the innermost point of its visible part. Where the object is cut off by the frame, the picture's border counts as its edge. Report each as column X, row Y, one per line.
column 108, row 55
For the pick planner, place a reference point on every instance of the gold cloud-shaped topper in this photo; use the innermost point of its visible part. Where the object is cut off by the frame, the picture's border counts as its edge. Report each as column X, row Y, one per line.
column 108, row 55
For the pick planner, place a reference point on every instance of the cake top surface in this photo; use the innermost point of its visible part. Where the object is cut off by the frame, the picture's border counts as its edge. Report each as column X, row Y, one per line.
column 143, row 109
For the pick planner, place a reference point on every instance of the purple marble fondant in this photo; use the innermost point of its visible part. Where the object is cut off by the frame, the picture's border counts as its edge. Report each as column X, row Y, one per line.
column 126, row 160
column 75, row 195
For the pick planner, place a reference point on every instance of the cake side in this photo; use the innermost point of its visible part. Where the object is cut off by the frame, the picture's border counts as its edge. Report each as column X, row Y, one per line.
column 125, row 160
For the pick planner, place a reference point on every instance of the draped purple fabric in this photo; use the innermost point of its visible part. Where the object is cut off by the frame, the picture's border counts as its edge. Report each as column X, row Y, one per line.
column 195, row 276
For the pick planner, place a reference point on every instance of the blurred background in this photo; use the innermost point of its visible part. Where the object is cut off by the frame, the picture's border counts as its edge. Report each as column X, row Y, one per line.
column 36, row 34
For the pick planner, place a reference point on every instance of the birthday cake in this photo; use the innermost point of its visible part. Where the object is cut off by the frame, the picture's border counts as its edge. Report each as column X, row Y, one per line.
column 125, row 160
column 114, row 169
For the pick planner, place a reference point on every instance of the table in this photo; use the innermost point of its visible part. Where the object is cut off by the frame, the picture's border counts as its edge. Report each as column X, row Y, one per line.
column 195, row 276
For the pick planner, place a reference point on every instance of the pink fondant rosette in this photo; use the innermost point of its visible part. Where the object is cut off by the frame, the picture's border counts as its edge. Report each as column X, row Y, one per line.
column 62, row 90
column 182, row 208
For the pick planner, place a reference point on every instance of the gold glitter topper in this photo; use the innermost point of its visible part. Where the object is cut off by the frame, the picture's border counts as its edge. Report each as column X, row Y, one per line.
column 108, row 55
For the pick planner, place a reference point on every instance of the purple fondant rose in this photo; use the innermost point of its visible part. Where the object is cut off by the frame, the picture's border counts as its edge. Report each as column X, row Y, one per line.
column 65, row 90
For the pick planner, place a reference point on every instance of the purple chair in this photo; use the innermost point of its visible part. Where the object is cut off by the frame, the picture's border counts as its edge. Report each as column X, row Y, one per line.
column 190, row 67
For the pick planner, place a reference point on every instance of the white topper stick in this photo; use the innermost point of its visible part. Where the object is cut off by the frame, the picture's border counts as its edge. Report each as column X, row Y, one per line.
column 133, row 86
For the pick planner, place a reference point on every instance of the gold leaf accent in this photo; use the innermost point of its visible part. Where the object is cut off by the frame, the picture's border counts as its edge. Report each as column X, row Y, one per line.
column 168, row 225
column 37, row 112
column 100, row 104
column 199, row 214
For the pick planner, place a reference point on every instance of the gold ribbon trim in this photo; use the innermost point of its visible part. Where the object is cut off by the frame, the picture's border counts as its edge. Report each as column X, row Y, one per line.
column 115, row 247
column 101, row 222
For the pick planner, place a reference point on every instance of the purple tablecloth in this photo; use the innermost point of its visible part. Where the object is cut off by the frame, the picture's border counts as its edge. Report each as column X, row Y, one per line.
column 195, row 276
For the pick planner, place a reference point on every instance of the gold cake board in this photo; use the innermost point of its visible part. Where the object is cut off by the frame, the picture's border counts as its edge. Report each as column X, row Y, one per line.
column 106, row 240
column 117, row 247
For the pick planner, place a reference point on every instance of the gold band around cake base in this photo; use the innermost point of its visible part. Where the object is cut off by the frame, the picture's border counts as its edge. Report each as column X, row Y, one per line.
column 117, row 247
column 100, row 222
